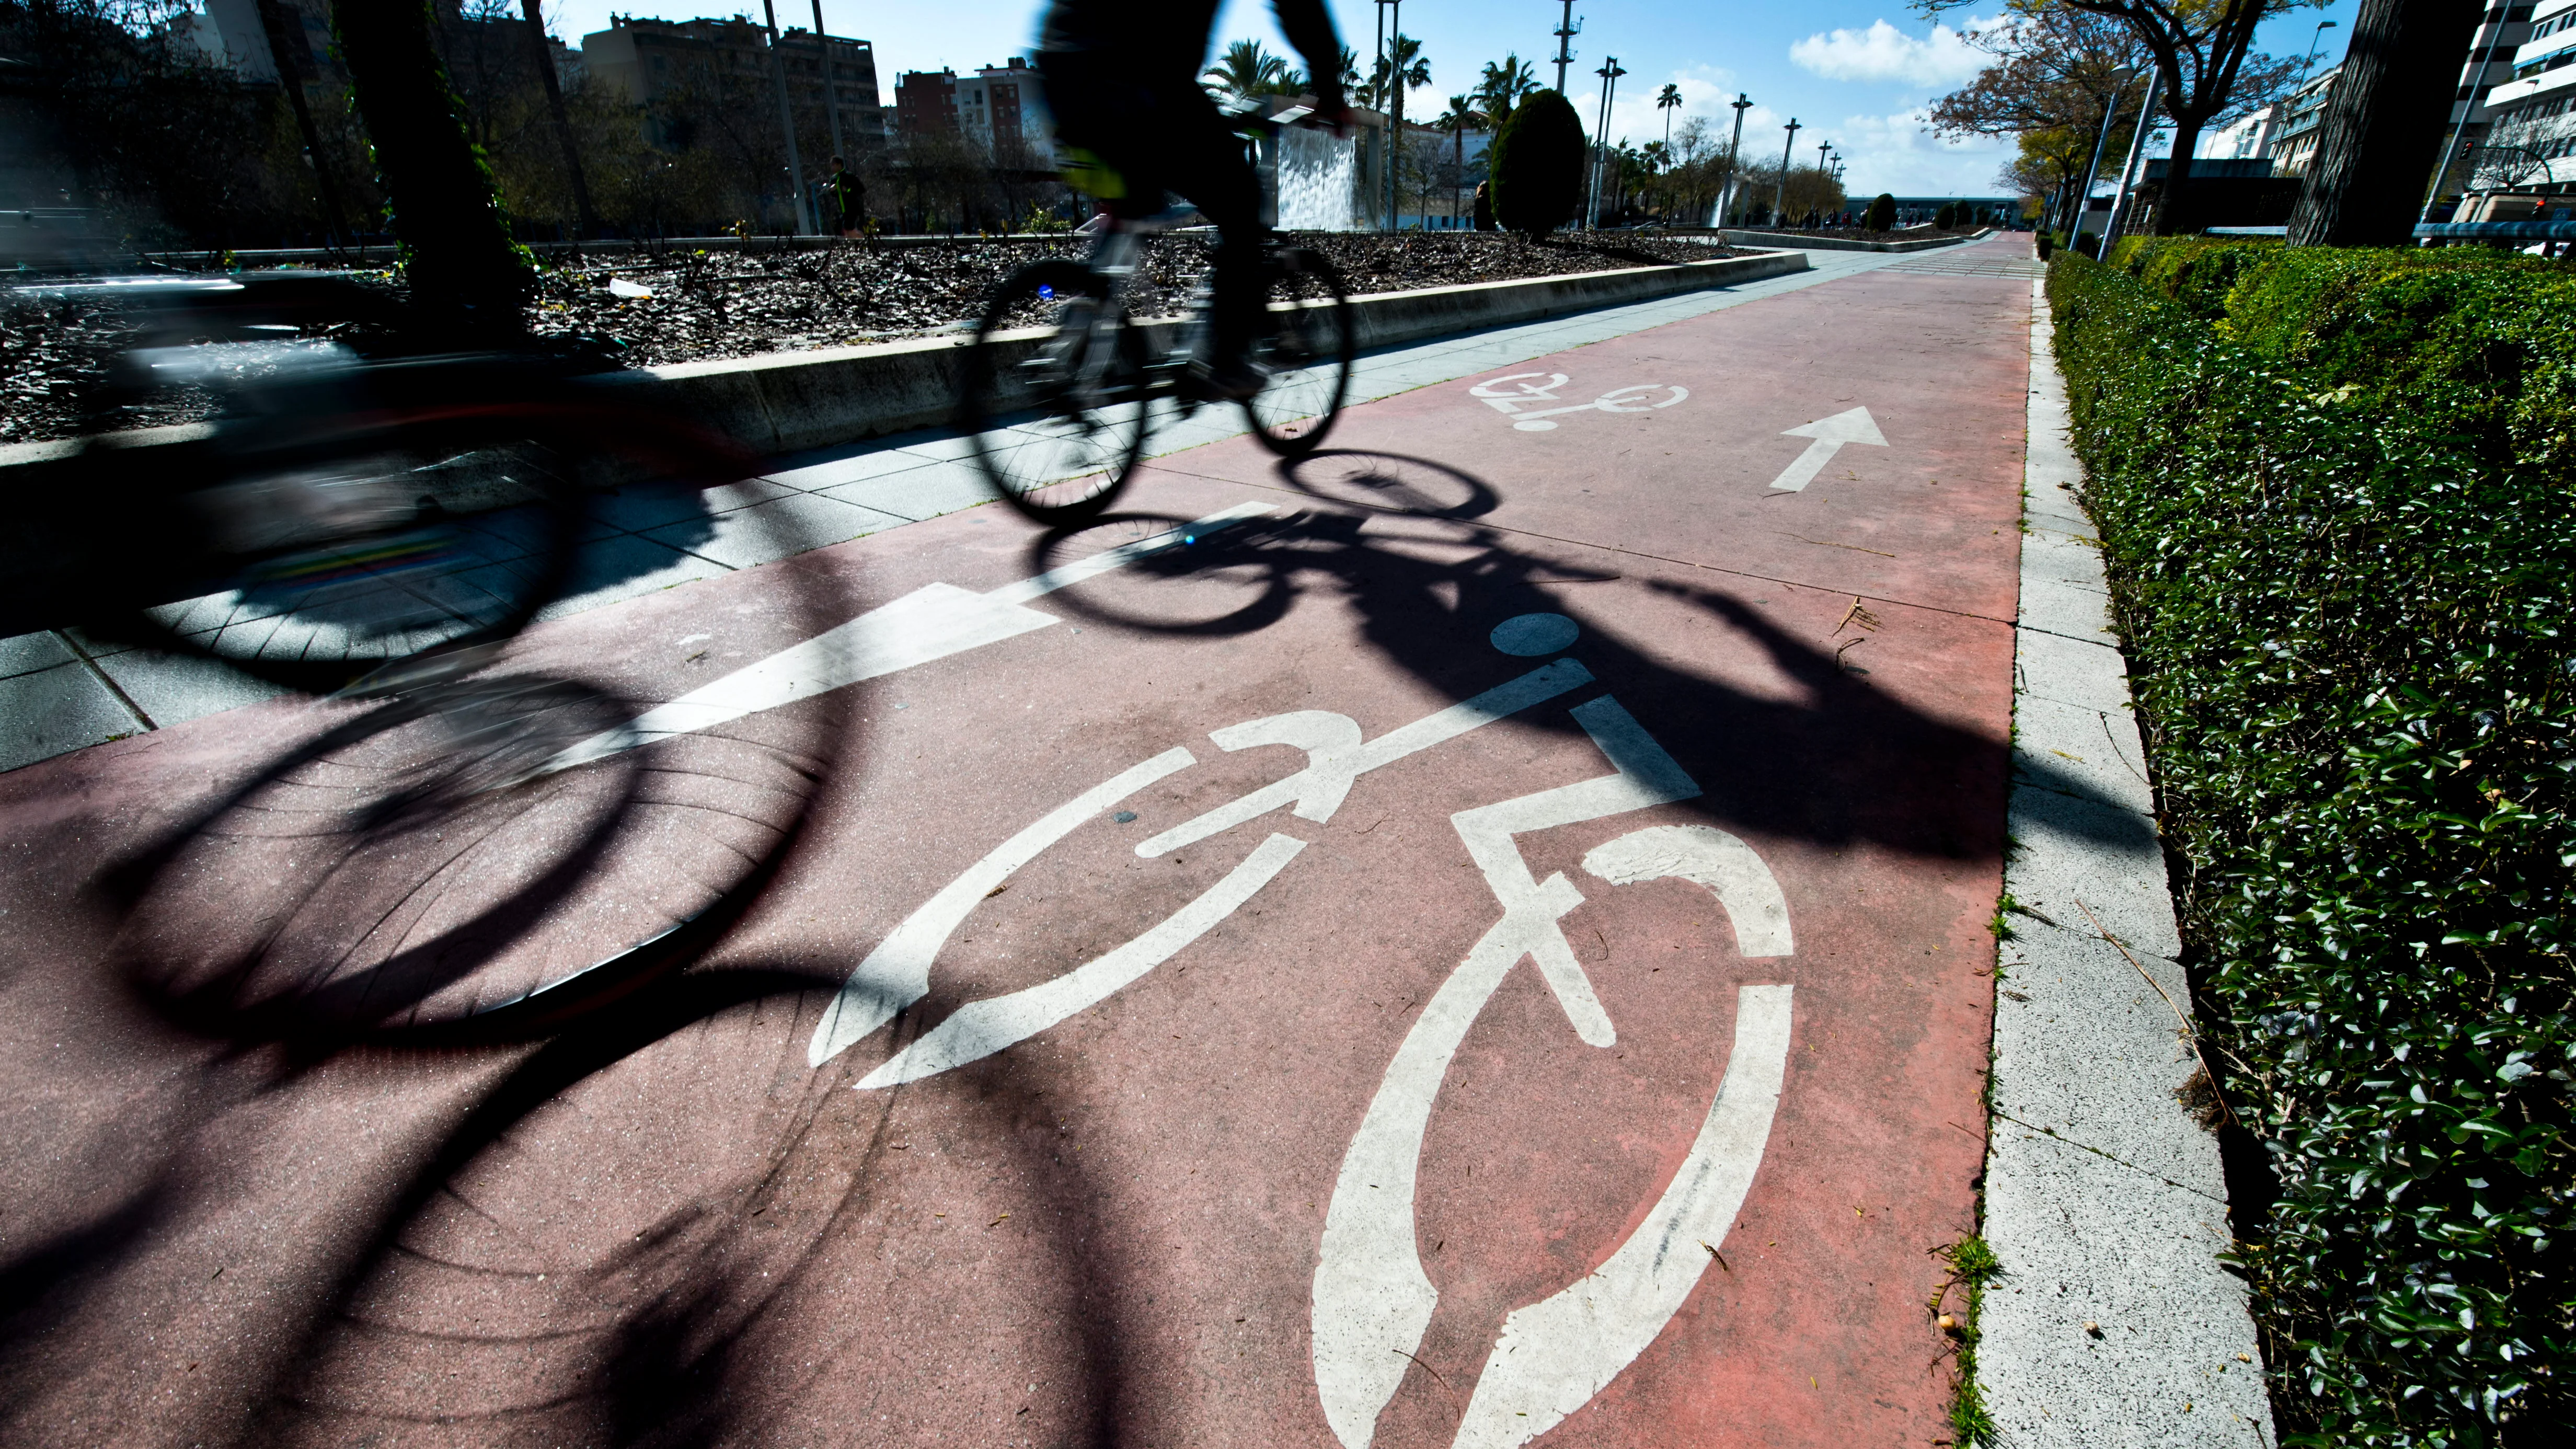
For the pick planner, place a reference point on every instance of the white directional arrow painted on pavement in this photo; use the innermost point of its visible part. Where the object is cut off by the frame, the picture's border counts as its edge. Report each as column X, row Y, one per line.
column 1830, row 434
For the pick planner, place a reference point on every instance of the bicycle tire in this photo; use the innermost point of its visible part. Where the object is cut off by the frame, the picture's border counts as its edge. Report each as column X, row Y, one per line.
column 1055, row 430
column 323, row 564
column 1307, row 341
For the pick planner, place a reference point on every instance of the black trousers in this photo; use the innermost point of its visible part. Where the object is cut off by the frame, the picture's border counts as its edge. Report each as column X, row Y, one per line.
column 1168, row 136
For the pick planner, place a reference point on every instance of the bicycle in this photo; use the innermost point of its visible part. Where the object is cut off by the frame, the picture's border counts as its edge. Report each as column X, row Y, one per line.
column 1063, row 388
column 460, row 834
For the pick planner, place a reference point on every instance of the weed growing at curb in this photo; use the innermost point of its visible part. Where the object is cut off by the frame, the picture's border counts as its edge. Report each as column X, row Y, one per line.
column 1972, row 1266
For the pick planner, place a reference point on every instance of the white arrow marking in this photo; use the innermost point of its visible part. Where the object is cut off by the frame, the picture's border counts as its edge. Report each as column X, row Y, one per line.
column 1830, row 434
column 931, row 622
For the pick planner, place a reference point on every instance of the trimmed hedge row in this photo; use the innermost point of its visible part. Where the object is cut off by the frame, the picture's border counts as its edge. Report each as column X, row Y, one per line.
column 2348, row 629
column 2473, row 341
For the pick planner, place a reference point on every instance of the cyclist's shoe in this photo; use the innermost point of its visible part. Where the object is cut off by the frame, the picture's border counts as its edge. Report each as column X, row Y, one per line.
column 1236, row 381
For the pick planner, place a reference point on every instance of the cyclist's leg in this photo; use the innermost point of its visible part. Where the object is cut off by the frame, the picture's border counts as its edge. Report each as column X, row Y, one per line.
column 1205, row 161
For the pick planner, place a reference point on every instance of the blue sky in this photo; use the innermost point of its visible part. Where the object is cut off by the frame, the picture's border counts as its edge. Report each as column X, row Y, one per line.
column 1854, row 72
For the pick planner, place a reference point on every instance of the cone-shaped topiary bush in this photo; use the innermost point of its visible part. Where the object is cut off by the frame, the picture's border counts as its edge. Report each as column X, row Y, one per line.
column 1538, row 166
column 1882, row 213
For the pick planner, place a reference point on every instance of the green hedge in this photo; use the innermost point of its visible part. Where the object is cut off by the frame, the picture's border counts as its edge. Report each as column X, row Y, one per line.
column 2474, row 341
column 2348, row 627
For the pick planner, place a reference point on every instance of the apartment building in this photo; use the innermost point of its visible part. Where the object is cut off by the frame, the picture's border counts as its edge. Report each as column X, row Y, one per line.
column 2303, row 122
column 2531, row 136
column 1001, row 108
column 647, row 60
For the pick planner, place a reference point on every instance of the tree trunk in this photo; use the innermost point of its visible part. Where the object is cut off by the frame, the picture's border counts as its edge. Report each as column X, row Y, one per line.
column 286, row 49
column 2383, row 133
column 2176, row 214
column 462, row 266
column 563, row 122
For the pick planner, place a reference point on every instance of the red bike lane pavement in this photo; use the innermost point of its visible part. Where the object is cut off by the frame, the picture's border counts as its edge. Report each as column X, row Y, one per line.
column 1490, row 946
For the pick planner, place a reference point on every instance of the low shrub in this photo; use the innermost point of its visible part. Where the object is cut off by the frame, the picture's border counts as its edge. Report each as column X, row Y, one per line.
column 2476, row 342
column 2347, row 629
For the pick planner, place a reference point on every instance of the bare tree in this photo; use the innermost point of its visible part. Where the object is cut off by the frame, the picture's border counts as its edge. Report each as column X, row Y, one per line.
column 2203, row 57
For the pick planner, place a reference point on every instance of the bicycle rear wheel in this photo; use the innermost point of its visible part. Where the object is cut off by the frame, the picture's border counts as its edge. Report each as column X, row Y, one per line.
column 1306, row 344
column 338, row 560
column 1055, row 399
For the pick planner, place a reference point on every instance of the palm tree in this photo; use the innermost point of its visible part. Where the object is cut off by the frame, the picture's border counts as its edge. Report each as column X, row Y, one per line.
column 1411, row 71
column 1668, row 100
column 1352, row 84
column 1246, row 70
column 1461, row 117
column 1503, row 85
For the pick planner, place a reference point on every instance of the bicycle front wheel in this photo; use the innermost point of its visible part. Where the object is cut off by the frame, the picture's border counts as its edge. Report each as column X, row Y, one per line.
column 1054, row 405
column 1306, row 344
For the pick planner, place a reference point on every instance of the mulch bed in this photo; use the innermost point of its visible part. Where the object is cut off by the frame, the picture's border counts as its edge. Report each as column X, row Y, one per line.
column 709, row 305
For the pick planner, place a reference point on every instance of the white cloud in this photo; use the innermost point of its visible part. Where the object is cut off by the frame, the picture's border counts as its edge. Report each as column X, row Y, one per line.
column 1885, row 53
column 1898, row 153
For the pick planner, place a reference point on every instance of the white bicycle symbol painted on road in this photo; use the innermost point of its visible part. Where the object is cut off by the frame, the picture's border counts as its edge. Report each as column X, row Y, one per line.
column 1521, row 403
column 1372, row 1301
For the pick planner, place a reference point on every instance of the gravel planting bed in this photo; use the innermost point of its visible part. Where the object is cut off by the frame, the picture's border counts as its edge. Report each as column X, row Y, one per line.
column 708, row 305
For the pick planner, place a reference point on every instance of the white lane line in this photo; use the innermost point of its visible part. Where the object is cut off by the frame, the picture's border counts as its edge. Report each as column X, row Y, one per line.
column 1556, row 1354
column 1336, row 758
column 1372, row 1299
column 897, row 973
column 981, row 1028
column 931, row 622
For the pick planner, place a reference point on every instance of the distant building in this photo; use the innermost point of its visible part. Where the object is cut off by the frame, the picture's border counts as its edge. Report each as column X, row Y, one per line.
column 2303, row 121
column 2250, row 139
column 648, row 60
column 925, row 103
column 2532, row 127
column 1002, row 108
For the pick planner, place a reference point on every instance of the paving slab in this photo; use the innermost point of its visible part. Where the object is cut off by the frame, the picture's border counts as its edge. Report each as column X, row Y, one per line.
column 1490, row 945
column 2129, row 1254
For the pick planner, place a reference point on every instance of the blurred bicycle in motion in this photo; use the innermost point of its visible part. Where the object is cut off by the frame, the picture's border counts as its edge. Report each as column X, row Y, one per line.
column 1063, row 388
column 374, row 516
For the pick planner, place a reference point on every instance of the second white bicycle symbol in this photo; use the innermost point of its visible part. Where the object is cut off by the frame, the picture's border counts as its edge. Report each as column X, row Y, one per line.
column 1372, row 1301
column 1520, row 396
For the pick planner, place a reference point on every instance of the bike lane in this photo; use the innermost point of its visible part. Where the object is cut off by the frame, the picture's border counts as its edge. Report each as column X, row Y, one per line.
column 1537, row 988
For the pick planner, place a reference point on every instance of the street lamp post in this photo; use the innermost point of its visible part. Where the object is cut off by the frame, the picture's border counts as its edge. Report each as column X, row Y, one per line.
column 1726, row 204
column 1566, row 30
column 787, row 121
column 1780, row 197
column 1609, row 72
column 2318, row 35
column 831, row 93
column 2102, row 138
column 1387, row 81
column 1824, row 165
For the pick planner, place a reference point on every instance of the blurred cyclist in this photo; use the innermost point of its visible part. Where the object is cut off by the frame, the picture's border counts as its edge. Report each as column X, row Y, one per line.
column 1122, row 82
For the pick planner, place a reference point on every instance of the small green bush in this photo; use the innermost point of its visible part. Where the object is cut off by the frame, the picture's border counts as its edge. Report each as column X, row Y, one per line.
column 1537, row 166
column 2045, row 243
column 1882, row 213
column 2348, row 630
column 1947, row 217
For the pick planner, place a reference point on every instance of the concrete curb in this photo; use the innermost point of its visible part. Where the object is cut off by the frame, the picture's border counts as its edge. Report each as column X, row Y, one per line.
column 2113, row 1322
column 788, row 402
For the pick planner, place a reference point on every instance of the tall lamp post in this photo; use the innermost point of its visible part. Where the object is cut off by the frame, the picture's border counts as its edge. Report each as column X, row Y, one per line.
column 1609, row 72
column 1824, row 164
column 1566, row 30
column 787, row 121
column 1780, row 197
column 1734, row 147
column 1392, row 98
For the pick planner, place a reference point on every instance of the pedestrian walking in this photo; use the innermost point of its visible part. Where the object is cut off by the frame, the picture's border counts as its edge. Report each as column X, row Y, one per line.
column 845, row 200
